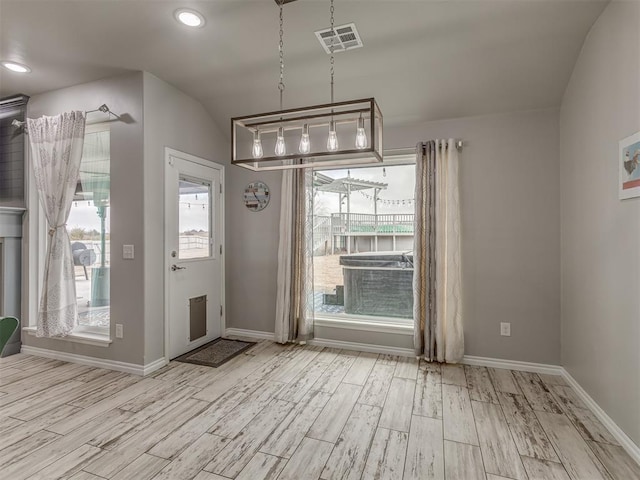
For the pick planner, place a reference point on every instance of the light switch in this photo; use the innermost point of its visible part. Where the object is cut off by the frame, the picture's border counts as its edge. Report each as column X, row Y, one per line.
column 505, row 329
column 127, row 252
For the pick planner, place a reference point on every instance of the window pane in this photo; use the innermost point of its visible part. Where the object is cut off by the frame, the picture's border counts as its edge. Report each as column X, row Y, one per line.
column 363, row 242
column 194, row 218
column 89, row 230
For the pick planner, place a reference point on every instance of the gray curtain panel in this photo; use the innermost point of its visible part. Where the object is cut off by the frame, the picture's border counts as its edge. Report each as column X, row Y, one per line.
column 424, row 273
column 294, row 306
column 301, row 315
column 437, row 267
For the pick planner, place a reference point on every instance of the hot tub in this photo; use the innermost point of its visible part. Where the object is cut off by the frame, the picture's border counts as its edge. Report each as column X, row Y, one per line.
column 378, row 284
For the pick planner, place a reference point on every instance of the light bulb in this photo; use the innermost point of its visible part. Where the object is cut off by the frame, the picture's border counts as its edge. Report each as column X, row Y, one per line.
column 257, row 145
column 361, row 135
column 332, row 141
column 280, row 147
column 305, row 144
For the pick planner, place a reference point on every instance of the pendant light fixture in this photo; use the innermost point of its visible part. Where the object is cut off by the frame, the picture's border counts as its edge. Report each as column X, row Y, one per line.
column 281, row 148
column 253, row 137
column 361, row 135
column 305, row 142
column 257, row 151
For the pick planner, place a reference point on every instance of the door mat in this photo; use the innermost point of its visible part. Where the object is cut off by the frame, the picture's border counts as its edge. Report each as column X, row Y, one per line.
column 216, row 353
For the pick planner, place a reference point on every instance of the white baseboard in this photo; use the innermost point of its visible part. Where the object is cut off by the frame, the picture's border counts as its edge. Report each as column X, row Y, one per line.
column 512, row 365
column 362, row 347
column 241, row 332
column 153, row 366
column 96, row 362
column 625, row 442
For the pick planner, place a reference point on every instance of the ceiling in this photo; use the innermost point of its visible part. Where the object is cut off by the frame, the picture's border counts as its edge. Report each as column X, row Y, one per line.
column 422, row 60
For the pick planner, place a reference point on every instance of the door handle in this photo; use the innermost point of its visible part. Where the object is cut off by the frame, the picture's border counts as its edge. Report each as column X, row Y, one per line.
column 176, row 267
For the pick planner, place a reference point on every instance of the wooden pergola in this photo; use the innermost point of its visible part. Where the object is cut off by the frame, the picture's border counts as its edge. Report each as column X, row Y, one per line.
column 344, row 187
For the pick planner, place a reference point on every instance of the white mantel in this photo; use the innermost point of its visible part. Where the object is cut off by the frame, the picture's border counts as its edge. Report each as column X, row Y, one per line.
column 11, row 221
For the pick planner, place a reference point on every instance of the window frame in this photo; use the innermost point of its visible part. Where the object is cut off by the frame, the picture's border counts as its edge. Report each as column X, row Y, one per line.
column 402, row 326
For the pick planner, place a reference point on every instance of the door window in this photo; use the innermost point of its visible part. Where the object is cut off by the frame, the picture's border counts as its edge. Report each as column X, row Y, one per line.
column 194, row 218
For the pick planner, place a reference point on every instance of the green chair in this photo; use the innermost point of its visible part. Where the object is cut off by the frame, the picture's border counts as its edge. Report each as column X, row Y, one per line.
column 8, row 325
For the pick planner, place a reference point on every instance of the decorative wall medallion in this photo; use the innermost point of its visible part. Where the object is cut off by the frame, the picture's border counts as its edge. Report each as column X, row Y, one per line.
column 256, row 196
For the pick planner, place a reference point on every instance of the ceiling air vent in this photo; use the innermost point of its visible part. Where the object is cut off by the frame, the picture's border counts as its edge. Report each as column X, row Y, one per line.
column 345, row 37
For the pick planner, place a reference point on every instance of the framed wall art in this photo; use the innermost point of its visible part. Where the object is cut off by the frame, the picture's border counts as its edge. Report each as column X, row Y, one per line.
column 629, row 166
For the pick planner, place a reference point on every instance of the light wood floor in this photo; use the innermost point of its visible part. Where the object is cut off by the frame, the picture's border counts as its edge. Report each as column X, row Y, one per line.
column 292, row 413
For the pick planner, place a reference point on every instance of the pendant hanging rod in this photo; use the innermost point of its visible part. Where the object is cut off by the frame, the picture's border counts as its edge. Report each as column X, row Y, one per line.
column 306, row 117
column 104, row 108
column 309, row 108
column 274, row 126
column 281, row 86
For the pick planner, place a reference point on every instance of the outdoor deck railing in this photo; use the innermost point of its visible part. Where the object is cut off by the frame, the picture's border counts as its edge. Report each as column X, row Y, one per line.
column 327, row 227
column 361, row 224
column 193, row 242
column 321, row 231
column 369, row 223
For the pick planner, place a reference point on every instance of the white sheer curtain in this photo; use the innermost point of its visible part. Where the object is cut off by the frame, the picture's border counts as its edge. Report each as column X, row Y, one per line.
column 294, row 302
column 56, row 151
column 438, row 333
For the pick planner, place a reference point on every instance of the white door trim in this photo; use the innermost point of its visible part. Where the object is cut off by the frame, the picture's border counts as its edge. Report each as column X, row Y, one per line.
column 168, row 153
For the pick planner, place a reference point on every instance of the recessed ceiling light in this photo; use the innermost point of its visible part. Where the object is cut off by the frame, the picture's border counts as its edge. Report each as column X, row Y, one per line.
column 188, row 17
column 15, row 67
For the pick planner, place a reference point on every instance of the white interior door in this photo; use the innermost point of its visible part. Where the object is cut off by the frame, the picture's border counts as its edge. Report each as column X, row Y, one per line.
column 193, row 241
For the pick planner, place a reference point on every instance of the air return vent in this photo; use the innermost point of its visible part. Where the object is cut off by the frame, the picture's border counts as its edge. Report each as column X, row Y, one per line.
column 345, row 37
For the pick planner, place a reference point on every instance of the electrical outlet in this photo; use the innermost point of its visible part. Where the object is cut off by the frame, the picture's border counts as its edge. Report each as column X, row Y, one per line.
column 119, row 332
column 505, row 329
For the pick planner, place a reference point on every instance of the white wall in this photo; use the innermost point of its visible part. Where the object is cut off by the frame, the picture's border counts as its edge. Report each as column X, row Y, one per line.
column 175, row 120
column 252, row 253
column 510, row 236
column 171, row 119
column 601, row 234
column 123, row 94
column 509, row 194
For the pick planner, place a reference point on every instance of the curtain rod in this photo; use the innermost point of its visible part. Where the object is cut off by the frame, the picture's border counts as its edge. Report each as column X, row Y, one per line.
column 104, row 108
column 411, row 150
column 458, row 144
